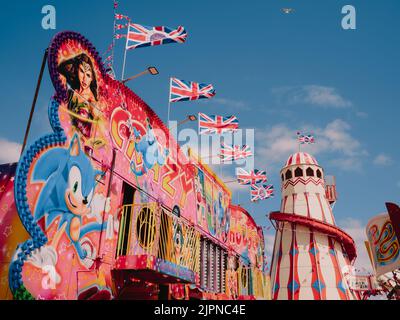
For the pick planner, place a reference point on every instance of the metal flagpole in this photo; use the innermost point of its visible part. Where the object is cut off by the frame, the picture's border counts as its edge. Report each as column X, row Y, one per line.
column 169, row 101
column 113, row 42
column 34, row 100
column 126, row 45
column 298, row 141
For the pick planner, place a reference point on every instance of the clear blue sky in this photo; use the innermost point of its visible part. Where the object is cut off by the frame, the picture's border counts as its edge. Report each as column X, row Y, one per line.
column 278, row 73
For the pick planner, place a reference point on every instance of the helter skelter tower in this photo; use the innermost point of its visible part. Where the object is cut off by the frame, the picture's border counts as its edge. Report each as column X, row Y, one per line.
column 311, row 256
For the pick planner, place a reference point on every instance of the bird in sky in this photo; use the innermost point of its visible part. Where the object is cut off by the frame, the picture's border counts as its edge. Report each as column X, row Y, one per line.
column 287, row 10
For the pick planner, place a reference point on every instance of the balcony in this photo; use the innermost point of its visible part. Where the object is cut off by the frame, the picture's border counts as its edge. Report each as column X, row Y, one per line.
column 156, row 246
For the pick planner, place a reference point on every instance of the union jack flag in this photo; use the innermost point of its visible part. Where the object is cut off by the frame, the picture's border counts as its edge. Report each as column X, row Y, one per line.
column 261, row 192
column 120, row 26
column 121, row 17
column 233, row 153
column 143, row 36
column 250, row 177
column 305, row 139
column 212, row 124
column 181, row 90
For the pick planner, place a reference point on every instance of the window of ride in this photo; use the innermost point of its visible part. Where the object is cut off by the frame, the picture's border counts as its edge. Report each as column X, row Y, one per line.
column 283, row 177
column 288, row 174
column 319, row 173
column 298, row 172
column 213, row 266
column 126, row 220
column 310, row 172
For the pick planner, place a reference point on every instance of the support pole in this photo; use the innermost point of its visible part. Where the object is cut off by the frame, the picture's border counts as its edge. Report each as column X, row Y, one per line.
column 169, row 101
column 124, row 63
column 28, row 127
column 135, row 76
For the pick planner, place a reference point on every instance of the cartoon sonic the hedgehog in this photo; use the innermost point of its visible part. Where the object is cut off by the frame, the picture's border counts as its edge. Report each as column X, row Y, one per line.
column 69, row 184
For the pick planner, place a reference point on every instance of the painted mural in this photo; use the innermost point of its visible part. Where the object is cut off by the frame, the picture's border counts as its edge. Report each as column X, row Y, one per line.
column 67, row 200
column 69, row 191
column 246, row 237
column 212, row 202
column 12, row 231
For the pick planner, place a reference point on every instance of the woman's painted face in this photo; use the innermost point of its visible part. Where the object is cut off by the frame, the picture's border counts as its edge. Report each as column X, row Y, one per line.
column 85, row 75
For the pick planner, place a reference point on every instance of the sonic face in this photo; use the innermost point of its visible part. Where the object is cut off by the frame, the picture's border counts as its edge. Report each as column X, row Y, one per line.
column 76, row 198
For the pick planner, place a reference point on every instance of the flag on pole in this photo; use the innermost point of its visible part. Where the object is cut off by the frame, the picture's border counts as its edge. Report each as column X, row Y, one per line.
column 261, row 192
column 233, row 153
column 121, row 17
column 305, row 139
column 250, row 177
column 181, row 90
column 119, row 36
column 116, row 4
column 143, row 36
column 213, row 124
column 120, row 26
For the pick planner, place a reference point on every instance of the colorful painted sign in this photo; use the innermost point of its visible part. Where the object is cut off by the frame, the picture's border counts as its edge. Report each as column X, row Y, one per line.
column 212, row 203
column 246, row 237
column 12, row 231
column 383, row 243
column 70, row 186
column 66, row 196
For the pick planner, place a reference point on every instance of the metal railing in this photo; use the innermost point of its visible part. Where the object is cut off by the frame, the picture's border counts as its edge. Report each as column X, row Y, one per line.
column 149, row 229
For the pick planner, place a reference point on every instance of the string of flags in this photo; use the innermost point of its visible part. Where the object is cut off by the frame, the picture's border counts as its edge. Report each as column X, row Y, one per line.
column 139, row 36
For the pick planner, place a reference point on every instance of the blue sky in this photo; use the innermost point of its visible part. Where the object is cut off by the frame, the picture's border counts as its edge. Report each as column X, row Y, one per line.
column 278, row 73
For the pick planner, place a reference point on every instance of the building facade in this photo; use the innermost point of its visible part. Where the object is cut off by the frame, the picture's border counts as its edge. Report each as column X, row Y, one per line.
column 108, row 206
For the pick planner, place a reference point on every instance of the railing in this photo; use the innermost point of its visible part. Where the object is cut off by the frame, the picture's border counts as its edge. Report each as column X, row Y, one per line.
column 260, row 284
column 252, row 282
column 148, row 229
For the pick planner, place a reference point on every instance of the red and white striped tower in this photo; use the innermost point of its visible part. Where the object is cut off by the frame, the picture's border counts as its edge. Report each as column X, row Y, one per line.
column 311, row 254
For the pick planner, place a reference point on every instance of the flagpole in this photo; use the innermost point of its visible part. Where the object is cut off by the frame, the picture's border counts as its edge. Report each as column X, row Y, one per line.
column 113, row 42
column 169, row 101
column 28, row 127
column 126, row 45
